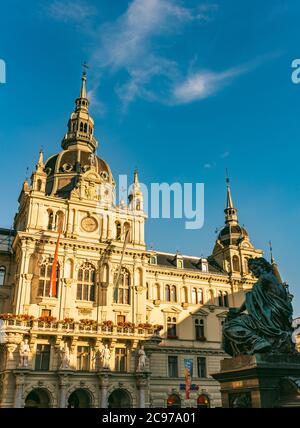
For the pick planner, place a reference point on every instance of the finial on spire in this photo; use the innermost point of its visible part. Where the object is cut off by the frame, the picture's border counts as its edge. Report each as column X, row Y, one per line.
column 40, row 163
column 84, row 77
column 230, row 211
column 271, row 252
column 229, row 197
column 136, row 176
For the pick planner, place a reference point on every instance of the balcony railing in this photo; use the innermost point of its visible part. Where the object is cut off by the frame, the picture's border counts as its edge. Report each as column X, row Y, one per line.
column 14, row 325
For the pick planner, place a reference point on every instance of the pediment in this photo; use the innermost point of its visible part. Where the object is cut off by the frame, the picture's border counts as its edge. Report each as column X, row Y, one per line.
column 171, row 310
column 199, row 313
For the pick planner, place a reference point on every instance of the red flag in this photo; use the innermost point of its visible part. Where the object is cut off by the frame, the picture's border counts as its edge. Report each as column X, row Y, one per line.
column 53, row 278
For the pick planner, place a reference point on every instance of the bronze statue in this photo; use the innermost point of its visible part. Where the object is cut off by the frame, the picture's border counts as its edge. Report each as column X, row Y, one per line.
column 266, row 327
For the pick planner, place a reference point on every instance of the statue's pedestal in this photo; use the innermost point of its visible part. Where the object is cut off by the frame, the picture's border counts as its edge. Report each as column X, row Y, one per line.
column 261, row 380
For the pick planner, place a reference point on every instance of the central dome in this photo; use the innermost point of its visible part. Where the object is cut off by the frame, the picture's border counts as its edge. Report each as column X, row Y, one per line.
column 63, row 170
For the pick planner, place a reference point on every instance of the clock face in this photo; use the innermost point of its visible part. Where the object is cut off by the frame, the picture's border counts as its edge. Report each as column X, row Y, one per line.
column 89, row 224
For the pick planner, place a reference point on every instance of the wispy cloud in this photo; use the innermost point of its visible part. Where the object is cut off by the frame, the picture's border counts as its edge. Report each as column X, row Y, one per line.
column 71, row 11
column 130, row 47
column 203, row 84
column 127, row 45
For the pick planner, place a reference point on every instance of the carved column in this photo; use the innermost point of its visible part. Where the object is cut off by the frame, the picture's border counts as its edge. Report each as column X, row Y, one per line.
column 63, row 383
column 104, row 382
column 141, row 383
column 19, row 391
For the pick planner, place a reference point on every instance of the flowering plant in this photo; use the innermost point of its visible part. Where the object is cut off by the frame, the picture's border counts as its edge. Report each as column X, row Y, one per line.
column 46, row 319
column 126, row 324
column 88, row 322
column 68, row 320
column 145, row 325
column 107, row 323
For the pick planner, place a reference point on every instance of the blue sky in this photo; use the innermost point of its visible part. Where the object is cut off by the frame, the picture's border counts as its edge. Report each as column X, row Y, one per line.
column 180, row 89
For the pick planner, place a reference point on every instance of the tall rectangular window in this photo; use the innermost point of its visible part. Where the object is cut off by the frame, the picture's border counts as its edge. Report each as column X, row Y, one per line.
column 120, row 365
column 173, row 366
column 202, row 370
column 83, row 358
column 42, row 358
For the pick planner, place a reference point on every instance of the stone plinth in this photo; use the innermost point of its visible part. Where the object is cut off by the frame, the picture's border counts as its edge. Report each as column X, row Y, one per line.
column 261, row 380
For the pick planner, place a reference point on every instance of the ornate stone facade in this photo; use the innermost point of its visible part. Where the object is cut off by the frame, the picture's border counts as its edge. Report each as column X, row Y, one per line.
column 112, row 292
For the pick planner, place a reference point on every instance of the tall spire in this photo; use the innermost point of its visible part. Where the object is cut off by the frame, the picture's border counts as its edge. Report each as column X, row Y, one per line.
column 81, row 124
column 230, row 211
column 274, row 264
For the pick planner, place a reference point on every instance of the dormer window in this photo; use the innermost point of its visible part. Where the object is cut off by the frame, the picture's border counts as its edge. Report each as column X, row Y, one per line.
column 180, row 264
column 153, row 260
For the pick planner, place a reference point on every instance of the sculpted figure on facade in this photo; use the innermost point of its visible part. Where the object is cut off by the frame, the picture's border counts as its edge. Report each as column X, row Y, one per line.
column 142, row 360
column 24, row 353
column 106, row 357
column 64, row 356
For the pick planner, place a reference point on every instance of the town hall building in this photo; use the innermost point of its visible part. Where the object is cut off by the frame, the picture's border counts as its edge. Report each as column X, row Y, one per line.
column 123, row 320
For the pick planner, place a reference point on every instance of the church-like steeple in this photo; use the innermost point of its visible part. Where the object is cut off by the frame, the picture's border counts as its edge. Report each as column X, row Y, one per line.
column 136, row 198
column 81, row 124
column 230, row 211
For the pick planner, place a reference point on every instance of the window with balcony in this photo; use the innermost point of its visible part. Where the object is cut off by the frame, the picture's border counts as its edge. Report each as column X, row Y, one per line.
column 45, row 278
column 42, row 357
column 122, row 287
column 86, row 283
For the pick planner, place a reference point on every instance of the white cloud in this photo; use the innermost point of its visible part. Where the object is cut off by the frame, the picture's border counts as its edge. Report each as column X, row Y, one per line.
column 127, row 45
column 207, row 166
column 203, row 84
column 225, row 155
column 71, row 11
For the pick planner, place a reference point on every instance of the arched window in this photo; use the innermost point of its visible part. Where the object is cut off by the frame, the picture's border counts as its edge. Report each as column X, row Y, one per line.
column 236, row 263
column 173, row 294
column 184, row 295
column 220, row 298
column 45, row 278
column 50, row 220
column 194, row 296
column 81, row 127
column 59, row 220
column 138, row 205
column 167, row 293
column 85, row 127
column 171, row 327
column 153, row 260
column 122, row 287
column 226, row 300
column 199, row 329
column 199, row 296
column 86, row 283
column 180, row 264
column 39, row 185
column 118, row 231
column 156, row 292
column 2, row 276
column 127, row 231
column 147, row 290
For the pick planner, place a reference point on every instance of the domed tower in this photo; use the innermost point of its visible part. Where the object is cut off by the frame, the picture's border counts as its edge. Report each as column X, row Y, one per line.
column 66, row 169
column 233, row 248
